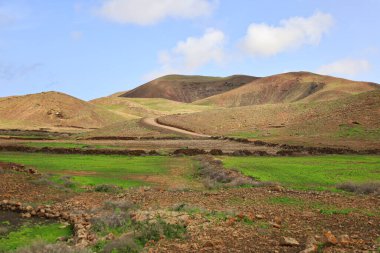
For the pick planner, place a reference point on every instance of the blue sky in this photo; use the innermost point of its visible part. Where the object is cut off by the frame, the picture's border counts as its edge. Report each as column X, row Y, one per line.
column 93, row 48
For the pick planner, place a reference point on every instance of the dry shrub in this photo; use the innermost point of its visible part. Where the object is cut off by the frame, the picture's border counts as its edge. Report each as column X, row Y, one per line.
column 125, row 243
column 363, row 188
column 108, row 188
column 41, row 247
column 214, row 175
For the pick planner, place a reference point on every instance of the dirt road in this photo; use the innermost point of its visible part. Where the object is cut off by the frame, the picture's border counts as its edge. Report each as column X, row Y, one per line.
column 153, row 122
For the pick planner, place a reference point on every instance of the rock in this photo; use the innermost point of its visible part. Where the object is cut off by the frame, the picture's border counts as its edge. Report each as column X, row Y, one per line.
column 231, row 221
column 277, row 220
column 330, row 238
column 311, row 249
column 26, row 215
column 344, row 239
column 110, row 237
column 29, row 208
column 275, row 225
column 277, row 188
column 259, row 216
column 208, row 244
column 289, row 241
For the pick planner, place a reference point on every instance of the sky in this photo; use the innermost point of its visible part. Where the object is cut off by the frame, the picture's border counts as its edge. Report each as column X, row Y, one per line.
column 93, row 48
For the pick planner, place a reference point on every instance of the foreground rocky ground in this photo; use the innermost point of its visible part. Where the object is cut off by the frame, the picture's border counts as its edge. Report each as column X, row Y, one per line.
column 260, row 219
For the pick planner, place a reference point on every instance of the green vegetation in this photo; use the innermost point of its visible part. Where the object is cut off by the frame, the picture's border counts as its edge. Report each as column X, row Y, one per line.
column 68, row 145
column 286, row 201
column 27, row 235
column 166, row 106
column 309, row 173
column 357, row 131
column 94, row 169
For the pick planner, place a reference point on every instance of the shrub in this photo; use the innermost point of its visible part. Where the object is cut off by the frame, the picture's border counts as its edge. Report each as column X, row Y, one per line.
column 125, row 243
column 153, row 231
column 107, row 188
column 364, row 188
column 215, row 175
column 120, row 205
column 41, row 247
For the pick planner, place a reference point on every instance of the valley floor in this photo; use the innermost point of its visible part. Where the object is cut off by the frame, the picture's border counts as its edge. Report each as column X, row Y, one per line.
column 167, row 204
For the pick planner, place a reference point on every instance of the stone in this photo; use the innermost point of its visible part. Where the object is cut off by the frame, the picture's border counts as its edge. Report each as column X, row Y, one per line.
column 208, row 244
column 330, row 238
column 344, row 239
column 289, row 241
column 110, row 237
column 259, row 216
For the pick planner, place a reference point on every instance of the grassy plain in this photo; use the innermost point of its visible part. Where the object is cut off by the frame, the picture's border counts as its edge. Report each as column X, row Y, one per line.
column 95, row 169
column 316, row 172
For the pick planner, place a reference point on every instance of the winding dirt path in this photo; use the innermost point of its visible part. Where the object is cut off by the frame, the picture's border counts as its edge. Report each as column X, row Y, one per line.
column 153, row 122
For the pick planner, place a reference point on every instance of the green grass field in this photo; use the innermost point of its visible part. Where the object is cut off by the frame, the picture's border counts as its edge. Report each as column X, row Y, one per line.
column 94, row 169
column 30, row 234
column 316, row 172
column 69, row 145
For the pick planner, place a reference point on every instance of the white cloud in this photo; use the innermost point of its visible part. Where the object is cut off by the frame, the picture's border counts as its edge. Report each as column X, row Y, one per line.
column 265, row 40
column 346, row 67
column 147, row 12
column 191, row 54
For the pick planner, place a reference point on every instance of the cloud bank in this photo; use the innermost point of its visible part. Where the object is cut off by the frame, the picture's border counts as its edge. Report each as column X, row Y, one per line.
column 265, row 40
column 148, row 12
column 345, row 67
column 191, row 54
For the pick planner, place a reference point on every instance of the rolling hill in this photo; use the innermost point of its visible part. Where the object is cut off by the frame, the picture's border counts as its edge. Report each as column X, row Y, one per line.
column 146, row 107
column 353, row 121
column 187, row 88
column 288, row 88
column 53, row 110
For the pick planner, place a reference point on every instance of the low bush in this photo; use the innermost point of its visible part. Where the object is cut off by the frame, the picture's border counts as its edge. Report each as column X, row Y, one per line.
column 107, row 188
column 125, row 243
column 364, row 188
column 214, row 175
column 41, row 247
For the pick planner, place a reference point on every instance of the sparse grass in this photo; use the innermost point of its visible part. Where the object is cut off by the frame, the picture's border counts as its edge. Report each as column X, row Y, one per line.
column 309, row 173
column 43, row 247
column 131, row 235
column 27, row 235
column 363, row 188
column 69, row 145
column 286, row 201
column 94, row 169
column 358, row 132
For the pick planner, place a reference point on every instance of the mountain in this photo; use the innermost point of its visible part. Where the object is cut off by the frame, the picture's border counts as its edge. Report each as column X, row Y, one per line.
column 289, row 88
column 187, row 88
column 146, row 107
column 352, row 121
column 52, row 109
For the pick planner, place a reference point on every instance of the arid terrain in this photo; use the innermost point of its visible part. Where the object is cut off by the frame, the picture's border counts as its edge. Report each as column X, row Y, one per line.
column 285, row 163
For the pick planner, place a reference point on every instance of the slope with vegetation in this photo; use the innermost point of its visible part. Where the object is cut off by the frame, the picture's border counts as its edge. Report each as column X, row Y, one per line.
column 353, row 120
column 288, row 88
column 53, row 110
column 187, row 88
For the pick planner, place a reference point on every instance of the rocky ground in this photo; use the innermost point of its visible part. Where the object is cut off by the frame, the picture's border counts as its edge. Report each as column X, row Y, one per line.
column 261, row 219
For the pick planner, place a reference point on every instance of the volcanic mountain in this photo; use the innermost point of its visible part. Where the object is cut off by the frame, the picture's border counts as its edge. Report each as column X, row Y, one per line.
column 187, row 88
column 288, row 88
column 52, row 109
column 354, row 120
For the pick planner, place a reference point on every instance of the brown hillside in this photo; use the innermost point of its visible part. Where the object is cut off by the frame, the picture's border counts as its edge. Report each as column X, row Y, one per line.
column 187, row 88
column 353, row 120
column 289, row 87
column 52, row 109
